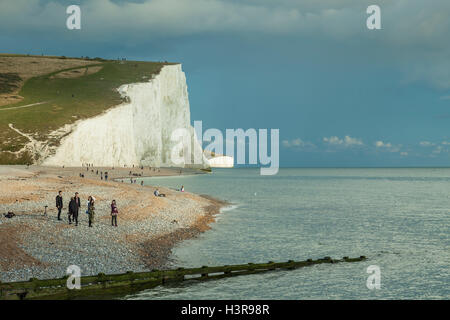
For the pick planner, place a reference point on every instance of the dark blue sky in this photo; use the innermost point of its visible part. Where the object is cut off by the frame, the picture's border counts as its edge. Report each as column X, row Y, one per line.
column 341, row 95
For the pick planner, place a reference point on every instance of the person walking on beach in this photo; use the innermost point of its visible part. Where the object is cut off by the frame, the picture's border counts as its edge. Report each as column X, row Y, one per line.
column 59, row 203
column 91, row 211
column 114, row 213
column 182, row 189
column 72, row 209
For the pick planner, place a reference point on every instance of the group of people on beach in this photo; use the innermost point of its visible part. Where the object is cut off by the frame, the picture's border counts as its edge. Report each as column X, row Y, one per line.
column 75, row 205
column 104, row 175
column 75, row 202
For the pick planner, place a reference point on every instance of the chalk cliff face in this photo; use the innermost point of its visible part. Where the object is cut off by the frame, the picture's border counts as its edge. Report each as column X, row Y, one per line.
column 137, row 132
column 221, row 162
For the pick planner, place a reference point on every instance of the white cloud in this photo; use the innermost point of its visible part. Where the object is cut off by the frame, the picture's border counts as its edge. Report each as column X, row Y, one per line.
column 426, row 144
column 437, row 150
column 347, row 141
column 296, row 143
column 414, row 36
column 381, row 144
column 387, row 146
column 333, row 140
column 156, row 18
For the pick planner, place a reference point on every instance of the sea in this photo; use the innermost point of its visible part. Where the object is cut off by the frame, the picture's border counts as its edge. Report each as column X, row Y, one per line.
column 399, row 218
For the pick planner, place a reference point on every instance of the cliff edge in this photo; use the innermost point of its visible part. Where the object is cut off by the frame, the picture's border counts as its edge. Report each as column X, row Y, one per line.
column 58, row 111
column 137, row 132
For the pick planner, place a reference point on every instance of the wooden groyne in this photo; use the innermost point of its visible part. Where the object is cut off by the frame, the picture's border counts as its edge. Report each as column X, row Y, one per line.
column 109, row 286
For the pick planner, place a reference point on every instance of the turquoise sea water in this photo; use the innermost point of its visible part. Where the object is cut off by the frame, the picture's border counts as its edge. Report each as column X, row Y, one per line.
column 398, row 218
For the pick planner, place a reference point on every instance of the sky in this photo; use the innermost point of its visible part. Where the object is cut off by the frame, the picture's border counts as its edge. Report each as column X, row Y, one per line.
column 340, row 94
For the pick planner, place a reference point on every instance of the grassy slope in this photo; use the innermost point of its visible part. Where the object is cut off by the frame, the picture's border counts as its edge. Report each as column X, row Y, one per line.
column 92, row 94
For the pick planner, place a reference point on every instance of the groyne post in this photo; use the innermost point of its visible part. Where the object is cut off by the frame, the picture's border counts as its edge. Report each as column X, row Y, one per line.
column 106, row 286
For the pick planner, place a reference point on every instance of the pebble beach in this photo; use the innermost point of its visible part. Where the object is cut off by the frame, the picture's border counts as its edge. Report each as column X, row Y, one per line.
column 35, row 245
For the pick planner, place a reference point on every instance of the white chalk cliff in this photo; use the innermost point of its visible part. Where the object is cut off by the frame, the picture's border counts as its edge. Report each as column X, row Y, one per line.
column 136, row 132
column 221, row 162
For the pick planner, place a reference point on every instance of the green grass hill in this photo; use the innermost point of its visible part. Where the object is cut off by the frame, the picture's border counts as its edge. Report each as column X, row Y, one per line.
column 39, row 94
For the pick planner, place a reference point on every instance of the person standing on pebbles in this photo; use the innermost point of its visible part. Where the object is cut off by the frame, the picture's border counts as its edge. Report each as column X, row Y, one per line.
column 72, row 209
column 59, row 204
column 77, row 208
column 88, row 202
column 114, row 213
column 91, row 211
